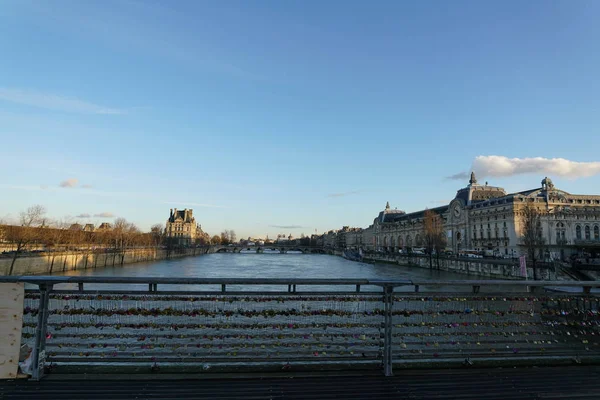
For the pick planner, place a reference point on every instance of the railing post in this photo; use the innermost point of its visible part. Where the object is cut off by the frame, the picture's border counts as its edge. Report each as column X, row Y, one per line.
column 38, row 353
column 388, row 299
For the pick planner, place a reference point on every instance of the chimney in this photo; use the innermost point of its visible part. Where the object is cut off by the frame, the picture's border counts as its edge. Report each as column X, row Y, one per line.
column 171, row 214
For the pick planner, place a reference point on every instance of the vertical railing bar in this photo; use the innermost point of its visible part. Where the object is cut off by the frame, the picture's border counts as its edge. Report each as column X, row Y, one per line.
column 357, row 288
column 388, row 298
column 38, row 355
column 416, row 288
column 80, row 286
column 223, row 287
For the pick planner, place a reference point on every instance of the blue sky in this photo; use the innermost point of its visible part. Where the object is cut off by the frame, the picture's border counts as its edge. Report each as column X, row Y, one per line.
column 271, row 116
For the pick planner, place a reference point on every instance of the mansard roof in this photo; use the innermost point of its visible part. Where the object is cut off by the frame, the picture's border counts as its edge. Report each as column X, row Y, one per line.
column 420, row 214
column 184, row 215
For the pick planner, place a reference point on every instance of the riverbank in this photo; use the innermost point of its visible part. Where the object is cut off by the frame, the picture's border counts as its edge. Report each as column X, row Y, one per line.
column 57, row 262
column 485, row 268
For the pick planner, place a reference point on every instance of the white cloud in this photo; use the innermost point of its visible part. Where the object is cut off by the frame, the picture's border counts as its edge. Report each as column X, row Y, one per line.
column 500, row 166
column 104, row 215
column 54, row 102
column 69, row 183
column 85, row 215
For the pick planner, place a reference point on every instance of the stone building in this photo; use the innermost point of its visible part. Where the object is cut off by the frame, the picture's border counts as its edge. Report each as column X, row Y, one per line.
column 105, row 226
column 349, row 238
column 89, row 228
column 182, row 226
column 486, row 218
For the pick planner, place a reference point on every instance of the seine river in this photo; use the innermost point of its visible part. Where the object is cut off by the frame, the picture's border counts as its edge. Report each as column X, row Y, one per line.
column 252, row 265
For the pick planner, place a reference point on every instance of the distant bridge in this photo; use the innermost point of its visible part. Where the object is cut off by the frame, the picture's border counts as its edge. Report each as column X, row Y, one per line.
column 274, row 247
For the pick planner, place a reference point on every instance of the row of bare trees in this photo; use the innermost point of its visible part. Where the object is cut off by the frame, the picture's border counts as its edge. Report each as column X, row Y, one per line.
column 35, row 231
column 228, row 236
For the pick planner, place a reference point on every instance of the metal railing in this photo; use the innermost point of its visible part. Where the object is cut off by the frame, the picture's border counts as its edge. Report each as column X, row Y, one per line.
column 98, row 324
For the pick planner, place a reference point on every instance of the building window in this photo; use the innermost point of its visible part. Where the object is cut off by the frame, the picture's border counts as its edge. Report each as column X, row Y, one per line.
column 587, row 232
column 578, row 232
column 596, row 232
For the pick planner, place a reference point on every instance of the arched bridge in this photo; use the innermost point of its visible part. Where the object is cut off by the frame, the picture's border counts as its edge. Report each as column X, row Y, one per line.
column 275, row 247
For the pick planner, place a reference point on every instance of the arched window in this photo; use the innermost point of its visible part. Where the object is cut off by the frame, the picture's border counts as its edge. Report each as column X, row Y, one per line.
column 408, row 241
column 587, row 233
column 578, row 232
column 385, row 241
column 400, row 242
column 418, row 240
column 596, row 232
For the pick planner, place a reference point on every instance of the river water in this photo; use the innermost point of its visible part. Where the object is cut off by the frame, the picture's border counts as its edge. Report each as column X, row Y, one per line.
column 275, row 265
column 252, row 265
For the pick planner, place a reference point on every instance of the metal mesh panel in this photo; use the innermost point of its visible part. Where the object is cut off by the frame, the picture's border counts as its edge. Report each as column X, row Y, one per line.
column 206, row 331
column 436, row 327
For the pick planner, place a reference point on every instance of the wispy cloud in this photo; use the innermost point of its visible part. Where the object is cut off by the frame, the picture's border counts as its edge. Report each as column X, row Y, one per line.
column 343, row 194
column 69, row 183
column 83, row 216
column 54, row 102
column 187, row 203
column 288, row 226
column 461, row 176
column 104, row 215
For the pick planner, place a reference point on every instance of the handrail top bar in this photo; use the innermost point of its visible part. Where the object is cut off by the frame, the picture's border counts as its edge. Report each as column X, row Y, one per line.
column 54, row 280
column 506, row 283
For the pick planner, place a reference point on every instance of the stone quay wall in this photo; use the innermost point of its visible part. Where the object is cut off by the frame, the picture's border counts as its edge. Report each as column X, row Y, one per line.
column 48, row 263
column 485, row 268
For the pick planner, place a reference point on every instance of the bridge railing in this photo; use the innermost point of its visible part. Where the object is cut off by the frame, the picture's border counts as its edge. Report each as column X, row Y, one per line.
column 100, row 324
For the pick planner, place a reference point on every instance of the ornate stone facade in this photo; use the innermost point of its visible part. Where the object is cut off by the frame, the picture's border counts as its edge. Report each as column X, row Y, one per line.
column 182, row 226
column 483, row 217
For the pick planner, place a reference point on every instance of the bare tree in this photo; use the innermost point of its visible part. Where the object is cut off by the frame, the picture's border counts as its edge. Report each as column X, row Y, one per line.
column 225, row 237
column 232, row 236
column 54, row 239
column 22, row 236
column 433, row 235
column 216, row 239
column 531, row 235
column 157, row 232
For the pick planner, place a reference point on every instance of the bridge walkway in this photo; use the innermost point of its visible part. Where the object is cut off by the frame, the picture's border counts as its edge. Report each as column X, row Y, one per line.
column 571, row 382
